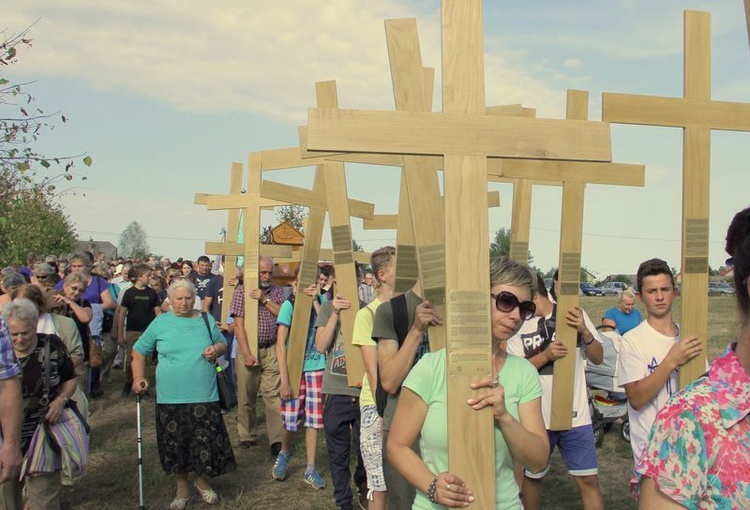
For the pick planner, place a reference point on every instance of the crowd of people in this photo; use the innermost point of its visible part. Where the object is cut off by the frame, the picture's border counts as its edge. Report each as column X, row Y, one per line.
column 72, row 322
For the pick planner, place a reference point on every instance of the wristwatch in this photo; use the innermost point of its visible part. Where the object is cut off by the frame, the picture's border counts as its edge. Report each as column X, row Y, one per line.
column 266, row 300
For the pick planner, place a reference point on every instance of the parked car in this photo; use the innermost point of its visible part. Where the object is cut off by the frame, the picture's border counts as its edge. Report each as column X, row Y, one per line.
column 720, row 289
column 613, row 288
column 590, row 290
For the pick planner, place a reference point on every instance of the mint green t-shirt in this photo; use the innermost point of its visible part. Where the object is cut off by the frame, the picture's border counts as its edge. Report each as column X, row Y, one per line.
column 427, row 379
column 183, row 375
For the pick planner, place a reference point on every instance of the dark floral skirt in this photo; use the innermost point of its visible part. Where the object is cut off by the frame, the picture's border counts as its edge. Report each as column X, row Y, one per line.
column 193, row 438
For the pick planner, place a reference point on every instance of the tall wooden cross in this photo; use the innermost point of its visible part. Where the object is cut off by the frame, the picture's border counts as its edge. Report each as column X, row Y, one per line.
column 697, row 114
column 464, row 135
column 233, row 223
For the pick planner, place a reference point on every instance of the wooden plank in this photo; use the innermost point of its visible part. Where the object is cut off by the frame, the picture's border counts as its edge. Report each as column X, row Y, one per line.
column 308, row 275
column 509, row 110
column 571, row 241
column 381, row 222
column 421, row 133
column 696, row 182
column 508, row 180
column 520, row 227
column 675, row 112
column 293, row 194
column 220, row 202
column 422, row 186
column 697, row 114
column 469, row 355
column 291, row 157
column 407, row 271
column 251, row 227
column 230, row 261
column 326, row 254
column 614, row 174
column 341, row 238
column 238, row 249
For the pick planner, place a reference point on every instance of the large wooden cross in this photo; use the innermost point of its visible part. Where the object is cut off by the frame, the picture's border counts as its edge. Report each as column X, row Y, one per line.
column 464, row 135
column 573, row 176
column 697, row 114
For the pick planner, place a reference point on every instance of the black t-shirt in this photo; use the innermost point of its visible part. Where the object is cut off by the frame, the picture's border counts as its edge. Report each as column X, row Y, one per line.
column 140, row 304
column 201, row 282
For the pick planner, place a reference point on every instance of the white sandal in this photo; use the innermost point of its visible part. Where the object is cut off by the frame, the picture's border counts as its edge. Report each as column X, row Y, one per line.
column 178, row 504
column 208, row 496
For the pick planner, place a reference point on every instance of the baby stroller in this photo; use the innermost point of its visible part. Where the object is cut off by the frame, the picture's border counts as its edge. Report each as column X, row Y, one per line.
column 607, row 402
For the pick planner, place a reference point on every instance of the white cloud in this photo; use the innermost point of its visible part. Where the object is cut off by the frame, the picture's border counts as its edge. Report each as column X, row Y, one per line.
column 253, row 56
column 573, row 63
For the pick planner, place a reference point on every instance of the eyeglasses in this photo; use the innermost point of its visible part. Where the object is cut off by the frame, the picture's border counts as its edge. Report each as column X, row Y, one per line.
column 507, row 302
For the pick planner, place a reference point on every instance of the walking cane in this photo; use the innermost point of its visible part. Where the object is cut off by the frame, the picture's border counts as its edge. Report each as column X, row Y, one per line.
column 140, row 453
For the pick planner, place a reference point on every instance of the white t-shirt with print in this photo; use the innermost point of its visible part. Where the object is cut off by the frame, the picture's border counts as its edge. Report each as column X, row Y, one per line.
column 642, row 349
column 528, row 339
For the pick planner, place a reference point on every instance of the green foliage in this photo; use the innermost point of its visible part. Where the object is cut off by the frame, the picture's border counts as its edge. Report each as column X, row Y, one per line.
column 621, row 278
column 500, row 246
column 294, row 214
column 133, row 242
column 31, row 220
column 356, row 246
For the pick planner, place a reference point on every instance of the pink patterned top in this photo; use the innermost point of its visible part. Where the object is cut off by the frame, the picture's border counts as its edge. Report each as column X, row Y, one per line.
column 699, row 450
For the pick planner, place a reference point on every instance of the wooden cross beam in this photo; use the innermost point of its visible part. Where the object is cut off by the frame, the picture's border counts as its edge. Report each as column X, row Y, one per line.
column 412, row 90
column 308, row 275
column 436, row 133
column 230, row 259
column 390, row 221
column 341, row 238
column 697, row 115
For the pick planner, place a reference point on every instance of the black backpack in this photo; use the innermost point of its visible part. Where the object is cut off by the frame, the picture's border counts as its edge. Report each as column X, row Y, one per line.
column 401, row 325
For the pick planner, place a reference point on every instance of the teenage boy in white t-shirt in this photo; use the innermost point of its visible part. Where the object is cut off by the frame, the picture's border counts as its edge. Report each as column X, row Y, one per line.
column 651, row 354
column 536, row 342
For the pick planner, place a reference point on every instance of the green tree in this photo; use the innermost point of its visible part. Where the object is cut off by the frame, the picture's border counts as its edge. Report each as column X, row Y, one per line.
column 500, row 245
column 356, row 246
column 31, row 220
column 134, row 242
column 294, row 214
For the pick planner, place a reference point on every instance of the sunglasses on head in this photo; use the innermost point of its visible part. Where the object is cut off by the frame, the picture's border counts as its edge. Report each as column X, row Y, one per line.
column 507, row 302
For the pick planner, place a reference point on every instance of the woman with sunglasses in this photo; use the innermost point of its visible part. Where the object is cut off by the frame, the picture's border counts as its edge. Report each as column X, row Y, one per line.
column 512, row 391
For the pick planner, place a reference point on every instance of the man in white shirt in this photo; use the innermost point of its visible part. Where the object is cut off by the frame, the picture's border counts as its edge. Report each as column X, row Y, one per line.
column 651, row 354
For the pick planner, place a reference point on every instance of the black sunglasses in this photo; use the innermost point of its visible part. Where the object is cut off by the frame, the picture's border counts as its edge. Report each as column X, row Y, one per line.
column 507, row 302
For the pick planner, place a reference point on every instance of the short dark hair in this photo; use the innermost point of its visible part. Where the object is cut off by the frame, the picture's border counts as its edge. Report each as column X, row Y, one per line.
column 738, row 247
column 653, row 267
column 203, row 258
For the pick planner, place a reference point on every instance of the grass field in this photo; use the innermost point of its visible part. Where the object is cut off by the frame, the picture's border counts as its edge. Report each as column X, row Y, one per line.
column 111, row 481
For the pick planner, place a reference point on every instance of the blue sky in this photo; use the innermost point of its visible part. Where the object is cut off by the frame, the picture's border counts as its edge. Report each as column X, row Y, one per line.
column 164, row 95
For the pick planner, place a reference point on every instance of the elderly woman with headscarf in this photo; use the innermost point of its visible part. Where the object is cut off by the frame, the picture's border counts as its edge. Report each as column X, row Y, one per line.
column 190, row 430
column 21, row 317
